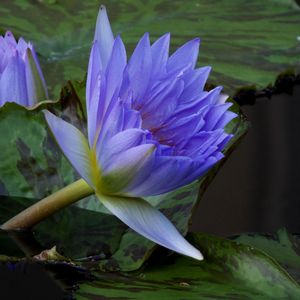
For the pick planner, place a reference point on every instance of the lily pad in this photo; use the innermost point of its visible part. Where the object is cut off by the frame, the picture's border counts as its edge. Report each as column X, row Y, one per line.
column 258, row 37
column 229, row 271
column 282, row 246
column 78, row 234
column 32, row 165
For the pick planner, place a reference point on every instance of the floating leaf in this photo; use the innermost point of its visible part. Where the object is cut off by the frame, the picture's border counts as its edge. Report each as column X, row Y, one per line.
column 31, row 164
column 258, row 37
column 77, row 233
column 282, row 246
column 229, row 271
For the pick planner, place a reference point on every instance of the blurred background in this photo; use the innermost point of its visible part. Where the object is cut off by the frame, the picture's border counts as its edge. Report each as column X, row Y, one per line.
column 247, row 43
column 258, row 188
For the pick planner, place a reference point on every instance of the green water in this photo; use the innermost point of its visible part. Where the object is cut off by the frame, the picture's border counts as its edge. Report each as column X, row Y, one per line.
column 246, row 42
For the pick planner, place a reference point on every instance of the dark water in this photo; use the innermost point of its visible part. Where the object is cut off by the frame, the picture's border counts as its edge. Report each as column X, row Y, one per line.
column 258, row 188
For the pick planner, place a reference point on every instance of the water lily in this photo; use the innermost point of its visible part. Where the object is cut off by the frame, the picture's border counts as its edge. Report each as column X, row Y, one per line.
column 151, row 129
column 21, row 78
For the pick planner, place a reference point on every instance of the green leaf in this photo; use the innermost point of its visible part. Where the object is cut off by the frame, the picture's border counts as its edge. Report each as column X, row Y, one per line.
column 78, row 234
column 28, row 167
column 31, row 163
column 229, row 271
column 282, row 246
column 258, row 37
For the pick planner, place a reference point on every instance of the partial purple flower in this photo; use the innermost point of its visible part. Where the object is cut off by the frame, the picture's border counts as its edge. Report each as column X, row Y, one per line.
column 21, row 78
column 151, row 129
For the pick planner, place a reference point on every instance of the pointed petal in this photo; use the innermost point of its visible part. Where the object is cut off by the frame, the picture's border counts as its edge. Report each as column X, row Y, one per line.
column 186, row 55
column 149, row 222
column 114, row 72
column 94, row 69
column 222, row 98
column 159, row 181
column 130, row 165
column 38, row 69
column 225, row 119
column 94, row 89
column 166, row 98
column 139, row 69
column 104, row 35
column 22, row 46
column 10, row 39
column 35, row 85
column 214, row 115
column 160, row 54
column 73, row 144
column 12, row 83
column 201, row 167
column 194, row 83
column 123, row 141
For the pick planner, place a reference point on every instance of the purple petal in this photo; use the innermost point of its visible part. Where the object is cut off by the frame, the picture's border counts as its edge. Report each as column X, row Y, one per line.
column 194, row 83
column 199, row 143
column 159, row 180
column 74, row 145
column 139, row 70
column 150, row 223
column 12, row 82
column 22, row 46
column 94, row 69
column 186, row 55
column 214, row 114
column 39, row 71
column 225, row 119
column 104, row 35
column 122, row 169
column 165, row 97
column 180, row 129
column 201, row 167
column 112, row 123
column 35, row 85
column 160, row 55
column 10, row 39
column 114, row 72
column 121, row 142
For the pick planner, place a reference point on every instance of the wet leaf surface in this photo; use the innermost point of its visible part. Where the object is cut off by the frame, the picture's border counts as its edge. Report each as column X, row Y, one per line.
column 282, row 246
column 78, row 234
column 258, row 37
column 229, row 271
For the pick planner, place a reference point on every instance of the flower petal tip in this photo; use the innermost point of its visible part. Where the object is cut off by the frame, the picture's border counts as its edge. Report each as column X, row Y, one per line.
column 198, row 256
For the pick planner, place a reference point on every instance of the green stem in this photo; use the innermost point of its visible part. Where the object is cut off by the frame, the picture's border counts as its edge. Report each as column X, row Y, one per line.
column 49, row 205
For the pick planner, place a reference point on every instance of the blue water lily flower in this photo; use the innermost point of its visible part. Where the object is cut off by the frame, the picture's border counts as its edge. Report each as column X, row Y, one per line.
column 21, row 78
column 151, row 129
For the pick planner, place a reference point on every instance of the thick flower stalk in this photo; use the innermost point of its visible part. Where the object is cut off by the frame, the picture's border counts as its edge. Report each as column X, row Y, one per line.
column 21, row 78
column 151, row 129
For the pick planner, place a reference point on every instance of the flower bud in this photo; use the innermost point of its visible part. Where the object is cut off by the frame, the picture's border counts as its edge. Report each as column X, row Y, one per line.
column 21, row 78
